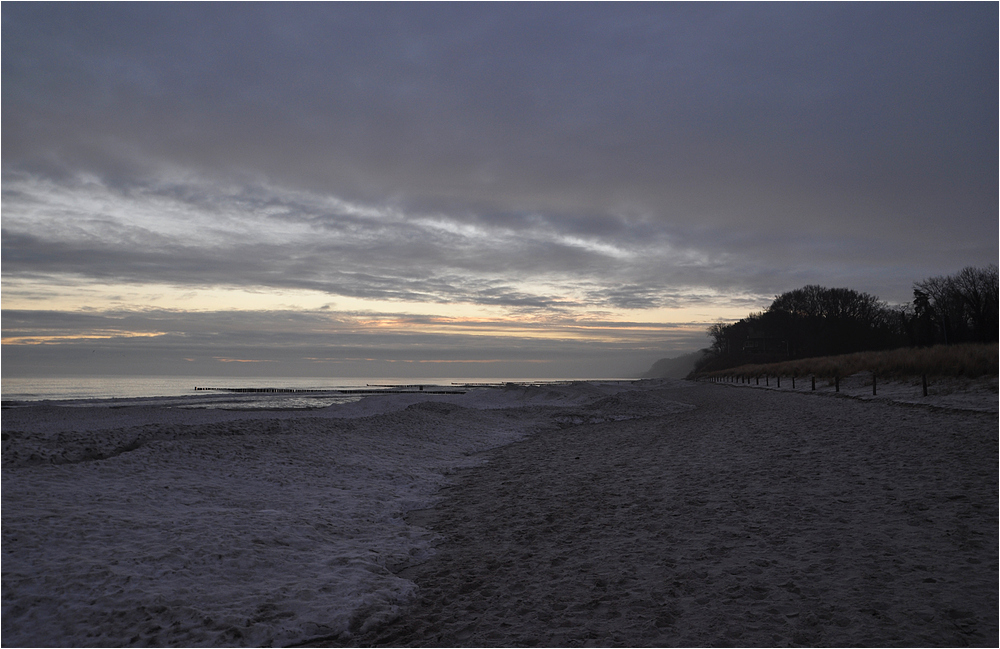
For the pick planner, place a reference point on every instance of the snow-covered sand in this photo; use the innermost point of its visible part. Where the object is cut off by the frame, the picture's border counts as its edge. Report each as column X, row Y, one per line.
column 167, row 526
column 659, row 513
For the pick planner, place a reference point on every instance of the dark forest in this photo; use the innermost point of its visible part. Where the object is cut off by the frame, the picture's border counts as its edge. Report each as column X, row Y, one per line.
column 816, row 321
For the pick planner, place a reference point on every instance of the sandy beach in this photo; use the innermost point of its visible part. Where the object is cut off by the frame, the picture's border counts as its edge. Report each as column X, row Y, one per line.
column 754, row 519
column 660, row 513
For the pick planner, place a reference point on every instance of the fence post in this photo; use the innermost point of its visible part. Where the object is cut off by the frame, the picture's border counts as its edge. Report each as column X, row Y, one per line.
column 767, row 380
column 779, row 380
column 873, row 384
column 836, row 383
column 924, row 381
column 793, row 381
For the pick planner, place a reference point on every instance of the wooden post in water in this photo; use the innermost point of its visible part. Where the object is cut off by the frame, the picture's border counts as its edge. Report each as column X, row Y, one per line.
column 814, row 383
column 873, row 384
column 924, row 381
column 779, row 380
column 836, row 383
column 767, row 380
column 793, row 381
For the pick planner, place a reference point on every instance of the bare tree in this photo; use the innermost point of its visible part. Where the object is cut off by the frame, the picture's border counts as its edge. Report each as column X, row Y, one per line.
column 961, row 307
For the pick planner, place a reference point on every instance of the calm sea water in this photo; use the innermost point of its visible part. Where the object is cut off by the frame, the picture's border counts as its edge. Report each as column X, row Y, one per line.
column 179, row 391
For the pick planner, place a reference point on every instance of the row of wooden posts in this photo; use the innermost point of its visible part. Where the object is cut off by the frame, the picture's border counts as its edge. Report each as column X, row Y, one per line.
column 745, row 378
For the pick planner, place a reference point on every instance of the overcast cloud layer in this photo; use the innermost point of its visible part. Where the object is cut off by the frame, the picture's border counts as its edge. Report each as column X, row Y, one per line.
column 488, row 182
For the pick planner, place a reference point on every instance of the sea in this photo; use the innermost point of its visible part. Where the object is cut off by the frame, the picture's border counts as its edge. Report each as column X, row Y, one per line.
column 233, row 393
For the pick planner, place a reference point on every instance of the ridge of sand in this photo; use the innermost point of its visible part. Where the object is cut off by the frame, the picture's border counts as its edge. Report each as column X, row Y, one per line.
column 754, row 519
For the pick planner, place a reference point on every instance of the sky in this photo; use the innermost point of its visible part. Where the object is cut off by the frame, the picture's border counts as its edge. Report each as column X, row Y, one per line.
column 473, row 190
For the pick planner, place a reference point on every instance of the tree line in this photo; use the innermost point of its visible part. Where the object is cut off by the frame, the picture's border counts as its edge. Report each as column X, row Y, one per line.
column 816, row 321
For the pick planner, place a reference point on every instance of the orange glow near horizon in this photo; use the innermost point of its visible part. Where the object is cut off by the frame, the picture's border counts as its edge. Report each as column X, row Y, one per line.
column 171, row 310
column 46, row 340
column 74, row 295
column 241, row 360
column 560, row 328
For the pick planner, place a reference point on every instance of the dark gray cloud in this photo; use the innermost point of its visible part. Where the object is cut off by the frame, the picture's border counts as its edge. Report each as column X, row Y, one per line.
column 542, row 158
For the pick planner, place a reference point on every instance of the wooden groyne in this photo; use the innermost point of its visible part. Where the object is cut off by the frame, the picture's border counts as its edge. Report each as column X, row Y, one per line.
column 330, row 391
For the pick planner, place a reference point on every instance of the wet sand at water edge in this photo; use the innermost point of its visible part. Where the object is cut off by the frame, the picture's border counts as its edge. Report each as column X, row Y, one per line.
column 752, row 519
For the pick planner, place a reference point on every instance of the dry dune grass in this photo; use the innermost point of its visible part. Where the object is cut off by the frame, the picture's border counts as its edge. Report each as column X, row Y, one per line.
column 969, row 361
